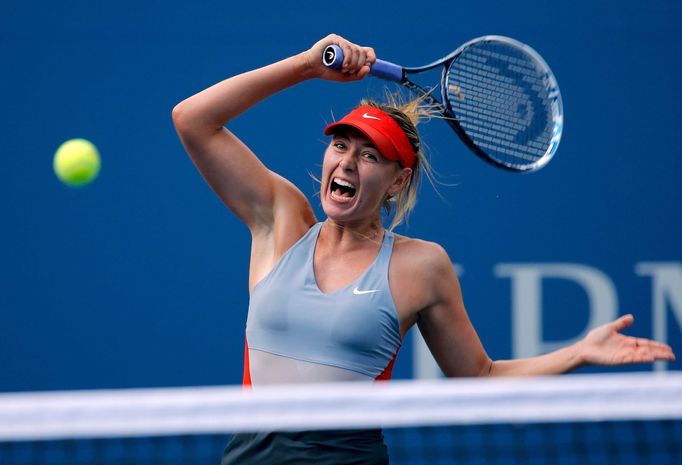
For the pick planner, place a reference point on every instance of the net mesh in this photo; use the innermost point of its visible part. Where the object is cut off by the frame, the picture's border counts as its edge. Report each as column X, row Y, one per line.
column 580, row 419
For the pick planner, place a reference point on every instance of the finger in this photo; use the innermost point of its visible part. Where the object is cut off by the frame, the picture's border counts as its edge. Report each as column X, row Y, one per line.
column 623, row 322
column 362, row 58
column 648, row 351
column 663, row 353
column 365, row 62
column 354, row 59
column 371, row 56
column 664, row 356
column 347, row 55
column 660, row 346
column 633, row 356
column 657, row 349
column 364, row 71
column 347, row 77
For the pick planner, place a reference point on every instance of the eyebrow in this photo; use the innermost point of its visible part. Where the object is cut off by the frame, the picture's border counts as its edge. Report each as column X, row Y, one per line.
column 344, row 134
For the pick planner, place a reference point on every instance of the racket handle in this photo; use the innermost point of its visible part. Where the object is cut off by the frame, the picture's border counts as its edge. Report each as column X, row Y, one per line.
column 333, row 58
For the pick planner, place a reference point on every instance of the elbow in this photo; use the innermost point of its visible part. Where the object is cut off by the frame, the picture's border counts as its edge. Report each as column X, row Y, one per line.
column 487, row 369
column 180, row 118
column 187, row 123
column 191, row 122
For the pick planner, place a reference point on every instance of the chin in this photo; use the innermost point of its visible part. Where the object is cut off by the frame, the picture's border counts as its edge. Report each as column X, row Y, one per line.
column 335, row 212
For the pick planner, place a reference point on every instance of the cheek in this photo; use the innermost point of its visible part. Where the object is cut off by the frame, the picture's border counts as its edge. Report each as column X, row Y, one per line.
column 329, row 159
column 326, row 166
column 379, row 177
column 375, row 184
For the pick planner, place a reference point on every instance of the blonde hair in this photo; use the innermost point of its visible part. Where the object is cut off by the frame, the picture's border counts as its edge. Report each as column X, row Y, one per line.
column 407, row 115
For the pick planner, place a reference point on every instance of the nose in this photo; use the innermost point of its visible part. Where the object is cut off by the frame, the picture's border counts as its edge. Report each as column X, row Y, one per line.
column 347, row 162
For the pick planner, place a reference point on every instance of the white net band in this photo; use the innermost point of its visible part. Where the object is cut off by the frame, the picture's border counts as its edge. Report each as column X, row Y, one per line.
column 146, row 412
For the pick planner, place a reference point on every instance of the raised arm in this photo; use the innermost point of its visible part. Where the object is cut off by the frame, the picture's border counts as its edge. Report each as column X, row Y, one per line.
column 244, row 184
column 457, row 349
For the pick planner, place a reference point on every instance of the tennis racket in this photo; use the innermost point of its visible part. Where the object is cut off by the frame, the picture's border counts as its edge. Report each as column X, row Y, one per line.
column 498, row 95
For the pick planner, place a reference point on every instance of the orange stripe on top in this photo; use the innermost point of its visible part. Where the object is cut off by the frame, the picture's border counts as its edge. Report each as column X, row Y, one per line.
column 246, row 378
column 388, row 371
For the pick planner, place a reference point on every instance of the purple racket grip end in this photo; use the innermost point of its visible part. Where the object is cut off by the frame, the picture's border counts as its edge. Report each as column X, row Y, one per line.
column 333, row 58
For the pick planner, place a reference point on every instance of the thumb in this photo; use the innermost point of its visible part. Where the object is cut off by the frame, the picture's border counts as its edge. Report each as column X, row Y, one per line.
column 623, row 322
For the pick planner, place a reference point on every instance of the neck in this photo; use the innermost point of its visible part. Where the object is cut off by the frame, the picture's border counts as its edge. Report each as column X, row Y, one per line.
column 353, row 235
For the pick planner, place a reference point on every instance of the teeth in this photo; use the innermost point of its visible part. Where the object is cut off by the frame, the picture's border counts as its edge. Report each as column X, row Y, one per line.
column 344, row 183
column 341, row 198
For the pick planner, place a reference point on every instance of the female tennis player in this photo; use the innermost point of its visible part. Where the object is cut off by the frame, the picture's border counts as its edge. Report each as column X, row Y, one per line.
column 332, row 300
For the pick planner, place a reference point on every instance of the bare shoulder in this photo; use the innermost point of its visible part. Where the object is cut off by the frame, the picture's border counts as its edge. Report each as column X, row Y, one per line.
column 419, row 273
column 423, row 256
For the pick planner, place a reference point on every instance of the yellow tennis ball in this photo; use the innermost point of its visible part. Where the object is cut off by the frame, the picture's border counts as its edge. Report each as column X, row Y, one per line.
column 76, row 162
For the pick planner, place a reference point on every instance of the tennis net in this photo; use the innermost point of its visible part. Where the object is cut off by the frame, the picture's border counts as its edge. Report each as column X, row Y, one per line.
column 631, row 418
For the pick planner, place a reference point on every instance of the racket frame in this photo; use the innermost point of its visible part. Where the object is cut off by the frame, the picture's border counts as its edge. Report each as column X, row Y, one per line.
column 399, row 74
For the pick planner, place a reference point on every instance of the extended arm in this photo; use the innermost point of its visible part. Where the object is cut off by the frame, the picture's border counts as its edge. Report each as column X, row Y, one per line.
column 604, row 345
column 458, row 350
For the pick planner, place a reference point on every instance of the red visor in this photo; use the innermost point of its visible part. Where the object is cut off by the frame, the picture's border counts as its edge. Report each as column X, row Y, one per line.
column 382, row 130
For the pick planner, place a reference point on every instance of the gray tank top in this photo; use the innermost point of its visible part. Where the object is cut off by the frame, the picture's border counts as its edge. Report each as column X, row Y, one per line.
column 297, row 333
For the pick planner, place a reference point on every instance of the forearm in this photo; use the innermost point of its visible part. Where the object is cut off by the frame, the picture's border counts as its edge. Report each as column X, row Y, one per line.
column 212, row 108
column 560, row 361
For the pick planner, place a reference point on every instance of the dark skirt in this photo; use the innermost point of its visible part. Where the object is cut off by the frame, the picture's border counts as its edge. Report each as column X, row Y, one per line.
column 342, row 447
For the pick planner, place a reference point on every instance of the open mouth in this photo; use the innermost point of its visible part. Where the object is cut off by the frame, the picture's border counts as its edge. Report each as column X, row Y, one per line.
column 342, row 190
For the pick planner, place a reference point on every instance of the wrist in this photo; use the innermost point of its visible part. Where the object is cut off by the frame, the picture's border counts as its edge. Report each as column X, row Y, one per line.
column 307, row 64
column 577, row 355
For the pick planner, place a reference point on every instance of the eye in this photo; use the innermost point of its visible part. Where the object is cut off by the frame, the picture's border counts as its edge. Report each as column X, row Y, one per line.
column 369, row 156
column 339, row 145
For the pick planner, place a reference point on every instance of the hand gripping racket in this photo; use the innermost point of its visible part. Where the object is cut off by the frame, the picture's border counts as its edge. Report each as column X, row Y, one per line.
column 498, row 95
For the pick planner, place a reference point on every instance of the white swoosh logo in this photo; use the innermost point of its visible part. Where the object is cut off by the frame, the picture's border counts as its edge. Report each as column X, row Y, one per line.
column 366, row 116
column 357, row 291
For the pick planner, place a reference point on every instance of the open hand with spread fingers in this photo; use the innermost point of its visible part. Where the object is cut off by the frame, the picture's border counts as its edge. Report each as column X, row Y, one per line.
column 606, row 345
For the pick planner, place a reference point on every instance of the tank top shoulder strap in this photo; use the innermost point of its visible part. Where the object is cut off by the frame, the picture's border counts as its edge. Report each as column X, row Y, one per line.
column 308, row 240
column 377, row 275
column 296, row 256
column 386, row 250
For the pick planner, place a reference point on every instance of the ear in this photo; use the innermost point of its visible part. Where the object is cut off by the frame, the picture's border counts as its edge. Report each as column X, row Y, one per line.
column 401, row 180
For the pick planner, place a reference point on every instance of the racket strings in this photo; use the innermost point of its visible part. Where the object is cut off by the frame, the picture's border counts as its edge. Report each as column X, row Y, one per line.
column 484, row 97
column 503, row 102
column 430, row 106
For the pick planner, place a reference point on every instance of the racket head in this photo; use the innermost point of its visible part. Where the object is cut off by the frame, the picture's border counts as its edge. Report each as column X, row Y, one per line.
column 504, row 102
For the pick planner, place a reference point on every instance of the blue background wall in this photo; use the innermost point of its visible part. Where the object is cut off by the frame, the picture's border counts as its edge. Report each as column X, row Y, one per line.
column 140, row 279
